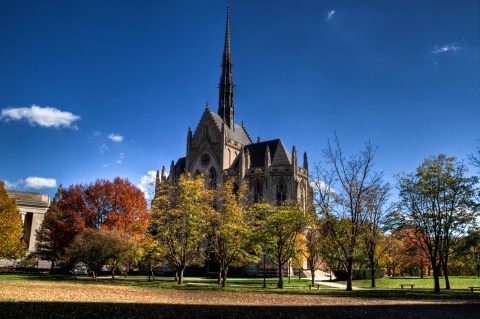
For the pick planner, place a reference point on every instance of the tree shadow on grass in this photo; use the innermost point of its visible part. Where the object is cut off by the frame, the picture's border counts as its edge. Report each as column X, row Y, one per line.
column 38, row 310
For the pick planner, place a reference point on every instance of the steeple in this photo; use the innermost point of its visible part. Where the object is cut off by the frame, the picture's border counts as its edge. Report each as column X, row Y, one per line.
column 225, row 101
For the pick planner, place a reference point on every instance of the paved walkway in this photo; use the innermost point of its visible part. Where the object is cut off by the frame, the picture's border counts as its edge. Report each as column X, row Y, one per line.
column 323, row 279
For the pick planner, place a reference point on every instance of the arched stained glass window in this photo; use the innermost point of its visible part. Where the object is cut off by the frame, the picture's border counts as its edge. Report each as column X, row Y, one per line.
column 281, row 192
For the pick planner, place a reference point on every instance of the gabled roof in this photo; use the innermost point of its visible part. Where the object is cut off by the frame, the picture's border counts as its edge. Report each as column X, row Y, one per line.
column 278, row 153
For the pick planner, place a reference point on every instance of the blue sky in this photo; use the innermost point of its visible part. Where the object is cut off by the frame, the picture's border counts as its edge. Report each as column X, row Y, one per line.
column 98, row 89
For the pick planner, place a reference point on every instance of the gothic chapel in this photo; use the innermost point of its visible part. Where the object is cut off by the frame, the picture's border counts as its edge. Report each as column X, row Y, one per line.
column 220, row 149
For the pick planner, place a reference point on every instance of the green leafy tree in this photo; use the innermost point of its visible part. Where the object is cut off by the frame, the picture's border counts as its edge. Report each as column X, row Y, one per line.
column 281, row 232
column 126, row 251
column 232, row 230
column 180, row 215
column 437, row 201
column 152, row 254
column 94, row 248
column 12, row 244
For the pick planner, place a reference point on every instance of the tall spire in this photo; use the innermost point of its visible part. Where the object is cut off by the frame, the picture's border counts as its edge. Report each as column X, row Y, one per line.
column 225, row 101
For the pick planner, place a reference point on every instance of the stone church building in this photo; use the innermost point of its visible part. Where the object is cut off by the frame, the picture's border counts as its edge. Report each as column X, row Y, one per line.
column 219, row 149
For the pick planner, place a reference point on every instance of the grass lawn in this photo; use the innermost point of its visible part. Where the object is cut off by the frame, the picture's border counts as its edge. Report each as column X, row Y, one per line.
column 425, row 283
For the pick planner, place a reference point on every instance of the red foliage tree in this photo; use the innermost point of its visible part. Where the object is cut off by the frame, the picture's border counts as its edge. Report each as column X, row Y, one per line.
column 117, row 205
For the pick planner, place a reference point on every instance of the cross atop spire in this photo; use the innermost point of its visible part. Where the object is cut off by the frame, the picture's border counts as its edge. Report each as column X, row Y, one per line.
column 225, row 101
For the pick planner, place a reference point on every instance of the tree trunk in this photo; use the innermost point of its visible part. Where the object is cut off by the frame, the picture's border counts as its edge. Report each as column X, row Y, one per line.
column 373, row 271
column 349, row 274
column 313, row 277
column 94, row 275
column 149, row 271
column 180, row 276
column 176, row 275
column 421, row 269
column 224, row 276
column 436, row 278
column 280, row 276
column 445, row 273
column 113, row 274
column 219, row 273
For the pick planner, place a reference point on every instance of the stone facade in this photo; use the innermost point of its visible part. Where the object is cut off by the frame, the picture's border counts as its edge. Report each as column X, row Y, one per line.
column 32, row 207
column 218, row 148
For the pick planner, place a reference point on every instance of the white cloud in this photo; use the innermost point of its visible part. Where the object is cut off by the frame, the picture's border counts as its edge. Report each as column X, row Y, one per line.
column 116, row 138
column 318, row 185
column 330, row 15
column 40, row 182
column 445, row 48
column 147, row 183
column 42, row 116
column 32, row 182
column 97, row 133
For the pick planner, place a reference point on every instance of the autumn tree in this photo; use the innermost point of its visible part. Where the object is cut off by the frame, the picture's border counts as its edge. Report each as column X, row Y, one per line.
column 180, row 215
column 313, row 245
column 117, row 205
column 232, row 229
column 437, row 201
column 64, row 219
column 341, row 192
column 282, row 228
column 12, row 244
column 376, row 211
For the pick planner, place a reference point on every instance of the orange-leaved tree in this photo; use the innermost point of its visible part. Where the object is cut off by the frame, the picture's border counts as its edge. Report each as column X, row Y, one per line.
column 12, row 245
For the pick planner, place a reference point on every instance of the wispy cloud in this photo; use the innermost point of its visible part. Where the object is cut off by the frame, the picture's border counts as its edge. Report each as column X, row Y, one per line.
column 97, row 133
column 445, row 48
column 115, row 137
column 32, row 182
column 330, row 15
column 120, row 158
column 147, row 184
column 13, row 184
column 103, row 148
column 42, row 116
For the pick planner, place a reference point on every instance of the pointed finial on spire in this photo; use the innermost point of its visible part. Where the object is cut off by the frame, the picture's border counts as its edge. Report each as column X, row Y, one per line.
column 227, row 33
column 206, row 105
column 259, row 139
column 226, row 108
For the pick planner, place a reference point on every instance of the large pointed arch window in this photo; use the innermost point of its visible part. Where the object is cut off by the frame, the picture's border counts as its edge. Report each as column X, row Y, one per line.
column 281, row 192
column 258, row 192
column 212, row 178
